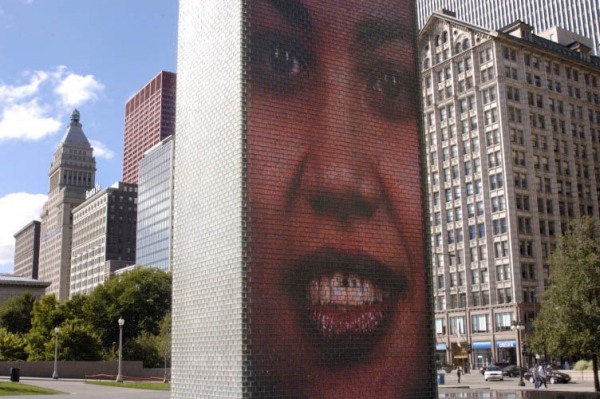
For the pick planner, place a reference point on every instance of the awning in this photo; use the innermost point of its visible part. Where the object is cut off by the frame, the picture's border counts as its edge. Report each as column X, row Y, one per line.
column 482, row 345
column 509, row 343
column 441, row 347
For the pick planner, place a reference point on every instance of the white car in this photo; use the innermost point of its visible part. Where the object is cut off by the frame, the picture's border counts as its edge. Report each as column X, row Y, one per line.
column 493, row 373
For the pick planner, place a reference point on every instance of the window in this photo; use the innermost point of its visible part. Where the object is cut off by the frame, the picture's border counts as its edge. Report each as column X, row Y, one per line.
column 457, row 325
column 480, row 323
column 440, row 327
column 503, row 321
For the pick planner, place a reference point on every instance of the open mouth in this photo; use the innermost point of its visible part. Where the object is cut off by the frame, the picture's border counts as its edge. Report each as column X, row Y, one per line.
column 346, row 300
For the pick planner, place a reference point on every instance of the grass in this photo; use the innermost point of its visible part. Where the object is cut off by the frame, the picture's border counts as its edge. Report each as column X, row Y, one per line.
column 156, row 386
column 15, row 388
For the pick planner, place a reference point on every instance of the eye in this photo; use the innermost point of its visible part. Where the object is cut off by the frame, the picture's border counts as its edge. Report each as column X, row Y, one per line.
column 387, row 83
column 279, row 63
column 391, row 91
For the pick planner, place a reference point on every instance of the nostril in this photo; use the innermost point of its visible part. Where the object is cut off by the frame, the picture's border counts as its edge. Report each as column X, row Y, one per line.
column 342, row 207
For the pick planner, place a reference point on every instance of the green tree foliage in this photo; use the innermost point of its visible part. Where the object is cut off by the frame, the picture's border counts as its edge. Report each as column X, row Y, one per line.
column 46, row 315
column 76, row 341
column 141, row 296
column 12, row 346
column 15, row 313
column 569, row 321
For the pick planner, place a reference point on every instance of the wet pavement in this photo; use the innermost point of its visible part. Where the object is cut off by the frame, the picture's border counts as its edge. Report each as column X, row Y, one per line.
column 472, row 386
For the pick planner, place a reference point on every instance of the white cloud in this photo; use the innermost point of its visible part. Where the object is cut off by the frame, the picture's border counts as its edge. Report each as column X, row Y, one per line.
column 100, row 150
column 16, row 210
column 11, row 94
column 75, row 90
column 27, row 120
column 34, row 109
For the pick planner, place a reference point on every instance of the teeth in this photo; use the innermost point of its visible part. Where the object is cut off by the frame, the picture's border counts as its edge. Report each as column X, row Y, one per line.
column 348, row 290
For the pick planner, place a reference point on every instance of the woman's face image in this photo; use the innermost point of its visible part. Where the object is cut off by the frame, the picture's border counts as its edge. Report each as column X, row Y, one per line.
column 337, row 284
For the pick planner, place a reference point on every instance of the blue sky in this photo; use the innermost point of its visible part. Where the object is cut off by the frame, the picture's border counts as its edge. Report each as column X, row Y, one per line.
column 57, row 55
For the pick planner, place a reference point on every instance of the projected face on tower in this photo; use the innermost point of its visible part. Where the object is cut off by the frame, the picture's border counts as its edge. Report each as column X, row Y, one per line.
column 336, row 279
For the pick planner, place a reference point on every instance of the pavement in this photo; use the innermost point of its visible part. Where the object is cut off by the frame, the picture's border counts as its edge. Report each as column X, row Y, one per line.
column 472, row 385
column 78, row 389
column 475, row 381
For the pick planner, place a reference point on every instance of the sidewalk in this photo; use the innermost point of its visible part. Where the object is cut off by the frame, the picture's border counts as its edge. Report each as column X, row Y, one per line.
column 78, row 389
column 475, row 380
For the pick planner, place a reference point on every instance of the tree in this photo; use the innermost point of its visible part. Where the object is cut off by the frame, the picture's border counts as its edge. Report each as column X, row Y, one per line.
column 569, row 321
column 15, row 313
column 76, row 341
column 12, row 346
column 141, row 296
column 45, row 316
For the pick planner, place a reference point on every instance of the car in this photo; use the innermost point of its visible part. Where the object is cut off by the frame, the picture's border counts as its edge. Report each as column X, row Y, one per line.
column 500, row 364
column 553, row 376
column 493, row 373
column 513, row 370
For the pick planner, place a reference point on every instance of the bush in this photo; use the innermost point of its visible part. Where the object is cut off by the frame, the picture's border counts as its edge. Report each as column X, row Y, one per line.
column 582, row 365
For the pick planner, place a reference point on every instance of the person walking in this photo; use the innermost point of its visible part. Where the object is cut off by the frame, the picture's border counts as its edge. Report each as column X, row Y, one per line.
column 542, row 375
column 459, row 373
column 536, row 377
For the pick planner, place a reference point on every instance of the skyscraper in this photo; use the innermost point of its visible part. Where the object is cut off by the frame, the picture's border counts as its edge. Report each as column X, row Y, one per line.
column 512, row 134
column 155, row 206
column 72, row 173
column 579, row 16
column 149, row 118
column 103, row 235
column 27, row 250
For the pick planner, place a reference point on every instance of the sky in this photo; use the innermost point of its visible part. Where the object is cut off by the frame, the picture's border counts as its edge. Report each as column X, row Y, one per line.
column 60, row 55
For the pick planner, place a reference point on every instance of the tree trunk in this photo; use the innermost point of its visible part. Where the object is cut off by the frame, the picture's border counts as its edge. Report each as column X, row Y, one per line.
column 595, row 371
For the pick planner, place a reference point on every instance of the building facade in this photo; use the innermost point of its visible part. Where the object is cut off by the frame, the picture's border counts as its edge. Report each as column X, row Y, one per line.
column 72, row 173
column 155, row 206
column 103, row 236
column 579, row 16
column 512, row 126
column 12, row 286
column 27, row 250
column 149, row 118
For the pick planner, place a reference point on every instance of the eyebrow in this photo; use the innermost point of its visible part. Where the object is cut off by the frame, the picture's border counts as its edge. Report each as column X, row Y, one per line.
column 380, row 32
column 295, row 12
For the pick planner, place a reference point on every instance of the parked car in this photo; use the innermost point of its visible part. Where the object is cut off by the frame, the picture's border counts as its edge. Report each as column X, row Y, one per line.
column 513, row 370
column 553, row 376
column 493, row 373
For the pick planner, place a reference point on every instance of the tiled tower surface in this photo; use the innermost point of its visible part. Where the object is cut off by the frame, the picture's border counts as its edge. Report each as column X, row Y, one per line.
column 27, row 250
column 299, row 262
column 72, row 173
column 149, row 118
column 208, row 328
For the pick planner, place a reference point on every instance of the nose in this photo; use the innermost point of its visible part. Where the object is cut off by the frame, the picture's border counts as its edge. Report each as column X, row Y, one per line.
column 339, row 178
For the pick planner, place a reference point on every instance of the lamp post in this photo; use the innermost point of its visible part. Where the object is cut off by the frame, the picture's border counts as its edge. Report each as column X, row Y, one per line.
column 55, row 373
column 121, row 323
column 519, row 326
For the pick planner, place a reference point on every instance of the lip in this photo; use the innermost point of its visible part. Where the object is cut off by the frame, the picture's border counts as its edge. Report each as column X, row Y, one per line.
column 344, row 329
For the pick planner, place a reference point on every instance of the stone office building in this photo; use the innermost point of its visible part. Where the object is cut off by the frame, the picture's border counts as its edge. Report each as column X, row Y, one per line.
column 512, row 132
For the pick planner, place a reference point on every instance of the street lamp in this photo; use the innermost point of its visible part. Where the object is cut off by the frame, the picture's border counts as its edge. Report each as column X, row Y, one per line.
column 519, row 326
column 121, row 323
column 55, row 373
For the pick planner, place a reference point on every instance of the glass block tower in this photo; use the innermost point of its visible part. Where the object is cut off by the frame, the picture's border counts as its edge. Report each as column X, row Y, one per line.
column 299, row 261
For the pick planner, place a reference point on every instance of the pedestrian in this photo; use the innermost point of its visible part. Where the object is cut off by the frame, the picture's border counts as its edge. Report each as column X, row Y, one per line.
column 459, row 373
column 542, row 375
column 536, row 377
